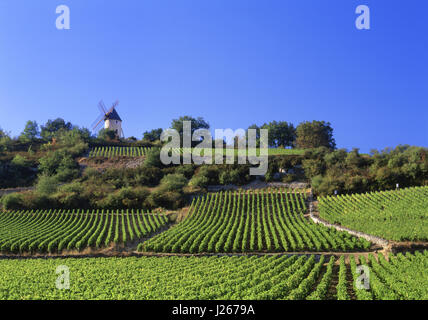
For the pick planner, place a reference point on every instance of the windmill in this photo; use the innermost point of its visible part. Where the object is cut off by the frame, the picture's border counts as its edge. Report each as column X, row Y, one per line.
column 111, row 119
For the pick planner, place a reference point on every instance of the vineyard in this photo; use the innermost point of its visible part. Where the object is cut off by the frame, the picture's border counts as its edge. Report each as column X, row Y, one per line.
column 256, row 228
column 396, row 215
column 261, row 220
column 110, row 152
column 55, row 231
column 247, row 277
column 242, row 152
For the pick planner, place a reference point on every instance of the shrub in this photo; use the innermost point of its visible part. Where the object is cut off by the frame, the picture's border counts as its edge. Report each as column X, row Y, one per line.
column 12, row 201
column 125, row 198
column 70, row 199
column 187, row 170
column 199, row 181
column 20, row 161
column 269, row 176
column 210, row 172
column 173, row 182
column 165, row 199
column 91, row 173
column 150, row 176
column 224, row 178
column 288, row 178
column 231, row 177
column 47, row 185
column 153, row 159
column 49, row 164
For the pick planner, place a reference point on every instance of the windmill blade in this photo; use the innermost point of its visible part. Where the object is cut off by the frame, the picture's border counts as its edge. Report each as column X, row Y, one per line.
column 95, row 126
column 97, row 120
column 102, row 107
column 123, row 135
column 98, row 127
column 113, row 106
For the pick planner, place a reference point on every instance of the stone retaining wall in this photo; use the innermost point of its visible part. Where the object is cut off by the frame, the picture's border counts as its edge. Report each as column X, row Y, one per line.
column 259, row 185
column 13, row 190
column 374, row 239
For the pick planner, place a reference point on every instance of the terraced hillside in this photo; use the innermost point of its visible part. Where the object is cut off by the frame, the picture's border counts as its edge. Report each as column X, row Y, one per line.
column 114, row 151
column 259, row 220
column 111, row 152
column 396, row 215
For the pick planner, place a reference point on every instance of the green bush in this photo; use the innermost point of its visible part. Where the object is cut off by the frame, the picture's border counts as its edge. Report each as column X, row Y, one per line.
column 20, row 161
column 210, row 172
column 49, row 164
column 153, row 159
column 125, row 198
column 92, row 173
column 173, row 182
column 59, row 163
column 234, row 176
column 165, row 199
column 12, row 201
column 289, row 178
column 187, row 170
column 199, row 181
column 47, row 185
column 149, row 176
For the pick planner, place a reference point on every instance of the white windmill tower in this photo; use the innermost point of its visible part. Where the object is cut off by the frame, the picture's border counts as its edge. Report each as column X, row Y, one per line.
column 111, row 119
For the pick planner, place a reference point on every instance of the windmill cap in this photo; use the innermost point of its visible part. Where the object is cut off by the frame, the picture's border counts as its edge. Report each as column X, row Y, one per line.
column 113, row 115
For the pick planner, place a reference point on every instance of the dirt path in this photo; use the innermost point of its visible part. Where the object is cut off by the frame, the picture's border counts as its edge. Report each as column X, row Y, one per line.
column 386, row 246
column 315, row 217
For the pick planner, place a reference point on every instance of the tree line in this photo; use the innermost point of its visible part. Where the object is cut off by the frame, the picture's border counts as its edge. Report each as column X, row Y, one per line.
column 46, row 157
column 282, row 134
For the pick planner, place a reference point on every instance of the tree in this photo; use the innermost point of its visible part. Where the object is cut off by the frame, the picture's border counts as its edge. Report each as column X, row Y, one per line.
column 152, row 135
column 12, row 201
column 107, row 134
column 5, row 140
column 47, row 184
column 3, row 134
column 354, row 159
column 85, row 133
column 281, row 133
column 73, row 137
column 198, row 123
column 51, row 128
column 59, row 164
column 314, row 134
column 20, row 161
column 257, row 128
column 173, row 182
column 31, row 131
column 153, row 159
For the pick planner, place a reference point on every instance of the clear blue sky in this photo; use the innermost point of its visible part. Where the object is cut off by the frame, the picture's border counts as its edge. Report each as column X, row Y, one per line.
column 233, row 62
